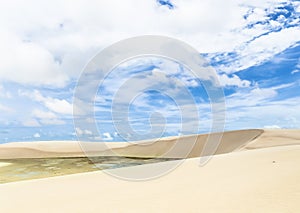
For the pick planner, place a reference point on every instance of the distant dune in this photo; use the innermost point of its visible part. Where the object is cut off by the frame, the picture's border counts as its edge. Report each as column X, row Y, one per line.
column 252, row 171
column 43, row 149
column 173, row 147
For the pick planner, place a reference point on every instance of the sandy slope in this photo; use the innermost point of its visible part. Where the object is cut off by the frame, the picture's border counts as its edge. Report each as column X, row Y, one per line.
column 174, row 147
column 187, row 146
column 52, row 149
column 261, row 180
column 274, row 137
column 191, row 146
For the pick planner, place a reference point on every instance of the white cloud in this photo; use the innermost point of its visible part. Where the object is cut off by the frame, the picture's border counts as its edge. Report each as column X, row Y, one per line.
column 107, row 136
column 233, row 81
column 81, row 132
column 47, row 45
column 44, row 44
column 28, row 62
column 254, row 96
column 282, row 113
column 257, row 14
column 259, row 108
column 272, row 127
column 60, row 106
column 47, row 117
column 42, row 114
column 261, row 49
column 37, row 135
column 297, row 6
column 297, row 68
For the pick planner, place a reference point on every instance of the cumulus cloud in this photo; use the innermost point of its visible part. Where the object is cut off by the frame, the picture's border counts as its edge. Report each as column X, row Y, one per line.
column 47, row 117
column 47, row 46
column 107, row 136
column 28, row 62
column 81, row 132
column 37, row 135
column 44, row 44
column 233, row 81
column 60, row 106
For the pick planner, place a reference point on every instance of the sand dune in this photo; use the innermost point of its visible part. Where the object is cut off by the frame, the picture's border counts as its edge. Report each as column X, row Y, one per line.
column 271, row 138
column 44, row 149
column 172, row 147
column 189, row 146
column 261, row 180
column 252, row 171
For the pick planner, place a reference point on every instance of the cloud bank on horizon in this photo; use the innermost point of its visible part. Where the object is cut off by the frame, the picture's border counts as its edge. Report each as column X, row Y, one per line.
column 253, row 45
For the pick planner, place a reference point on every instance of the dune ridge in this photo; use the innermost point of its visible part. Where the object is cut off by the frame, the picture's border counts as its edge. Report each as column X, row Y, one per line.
column 180, row 147
column 46, row 149
column 171, row 147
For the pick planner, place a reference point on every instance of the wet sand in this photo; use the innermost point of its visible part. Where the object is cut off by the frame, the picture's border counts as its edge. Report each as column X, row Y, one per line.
column 34, row 168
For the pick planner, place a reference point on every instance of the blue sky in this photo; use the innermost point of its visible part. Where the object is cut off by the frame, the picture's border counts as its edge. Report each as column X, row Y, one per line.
column 254, row 47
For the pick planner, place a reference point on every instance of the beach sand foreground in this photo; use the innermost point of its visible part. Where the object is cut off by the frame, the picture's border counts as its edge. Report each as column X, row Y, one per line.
column 237, row 182
column 261, row 175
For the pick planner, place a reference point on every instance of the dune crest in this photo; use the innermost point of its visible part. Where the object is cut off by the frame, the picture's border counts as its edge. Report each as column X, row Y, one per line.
column 189, row 146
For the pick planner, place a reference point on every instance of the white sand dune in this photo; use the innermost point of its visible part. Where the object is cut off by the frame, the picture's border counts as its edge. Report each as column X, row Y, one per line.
column 174, row 147
column 42, row 149
column 235, row 182
column 253, row 171
column 190, row 146
column 271, row 138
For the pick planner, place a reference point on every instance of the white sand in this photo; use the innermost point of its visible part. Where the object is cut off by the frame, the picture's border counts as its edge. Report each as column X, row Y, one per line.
column 237, row 182
column 42, row 149
column 278, row 137
column 258, row 173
